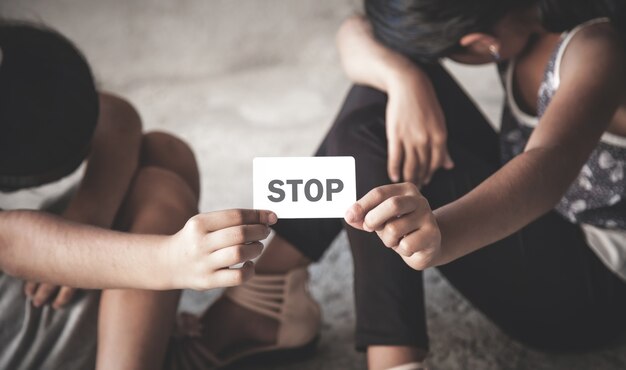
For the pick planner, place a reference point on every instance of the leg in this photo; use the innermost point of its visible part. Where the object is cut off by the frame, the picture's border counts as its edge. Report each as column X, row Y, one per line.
column 384, row 286
column 563, row 271
column 159, row 149
column 134, row 326
column 551, row 291
column 389, row 296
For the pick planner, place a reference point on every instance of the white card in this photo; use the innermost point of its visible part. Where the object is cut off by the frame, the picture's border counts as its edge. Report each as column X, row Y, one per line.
column 304, row 187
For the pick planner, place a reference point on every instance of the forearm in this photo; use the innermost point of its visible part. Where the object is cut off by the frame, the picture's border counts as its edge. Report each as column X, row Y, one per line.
column 524, row 189
column 368, row 62
column 39, row 247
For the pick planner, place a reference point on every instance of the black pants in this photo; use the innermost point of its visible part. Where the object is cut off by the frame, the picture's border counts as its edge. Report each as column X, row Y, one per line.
column 542, row 285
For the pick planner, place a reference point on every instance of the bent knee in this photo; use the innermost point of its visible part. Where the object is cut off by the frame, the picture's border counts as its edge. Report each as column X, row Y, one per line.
column 159, row 187
column 159, row 141
column 361, row 130
column 119, row 114
column 164, row 150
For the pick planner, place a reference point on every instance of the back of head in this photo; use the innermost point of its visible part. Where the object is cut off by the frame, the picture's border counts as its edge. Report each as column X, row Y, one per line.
column 48, row 106
column 426, row 30
column 562, row 15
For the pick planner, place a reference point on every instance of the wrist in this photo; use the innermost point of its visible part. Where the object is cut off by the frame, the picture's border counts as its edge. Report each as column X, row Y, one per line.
column 166, row 276
column 447, row 245
column 402, row 74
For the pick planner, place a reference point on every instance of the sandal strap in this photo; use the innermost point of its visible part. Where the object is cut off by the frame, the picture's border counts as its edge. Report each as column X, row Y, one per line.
column 263, row 294
column 409, row 366
column 186, row 349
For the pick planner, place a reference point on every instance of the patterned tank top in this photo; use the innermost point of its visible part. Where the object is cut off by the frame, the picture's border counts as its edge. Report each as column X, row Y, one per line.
column 597, row 198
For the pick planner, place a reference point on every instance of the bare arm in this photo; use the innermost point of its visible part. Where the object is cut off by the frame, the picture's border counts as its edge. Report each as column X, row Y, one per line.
column 41, row 247
column 533, row 183
column 416, row 129
column 524, row 189
column 368, row 62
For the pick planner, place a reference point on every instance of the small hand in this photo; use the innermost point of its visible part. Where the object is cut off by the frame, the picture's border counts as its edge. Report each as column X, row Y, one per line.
column 203, row 252
column 42, row 293
column 403, row 220
column 416, row 131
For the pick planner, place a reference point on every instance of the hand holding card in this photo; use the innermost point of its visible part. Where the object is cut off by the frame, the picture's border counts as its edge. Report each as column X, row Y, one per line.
column 403, row 220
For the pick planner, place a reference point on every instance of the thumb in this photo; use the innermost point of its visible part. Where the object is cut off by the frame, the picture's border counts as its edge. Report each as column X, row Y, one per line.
column 355, row 215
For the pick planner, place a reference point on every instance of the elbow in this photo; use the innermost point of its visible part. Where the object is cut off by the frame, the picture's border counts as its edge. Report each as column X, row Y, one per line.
column 348, row 26
column 119, row 117
column 348, row 31
column 13, row 227
column 553, row 201
column 6, row 265
column 3, row 243
column 3, row 264
column 5, row 246
column 556, row 168
column 340, row 40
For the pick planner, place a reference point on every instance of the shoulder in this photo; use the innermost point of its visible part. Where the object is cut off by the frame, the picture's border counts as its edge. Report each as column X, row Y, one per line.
column 598, row 49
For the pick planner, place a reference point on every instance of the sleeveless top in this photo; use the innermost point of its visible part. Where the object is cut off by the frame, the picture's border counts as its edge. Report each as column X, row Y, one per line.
column 596, row 200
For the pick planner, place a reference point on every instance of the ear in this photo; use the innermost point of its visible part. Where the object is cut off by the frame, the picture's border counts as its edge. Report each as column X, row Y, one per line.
column 480, row 43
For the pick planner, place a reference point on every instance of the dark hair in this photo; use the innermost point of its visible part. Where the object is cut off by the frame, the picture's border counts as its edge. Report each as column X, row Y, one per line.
column 563, row 15
column 426, row 30
column 48, row 106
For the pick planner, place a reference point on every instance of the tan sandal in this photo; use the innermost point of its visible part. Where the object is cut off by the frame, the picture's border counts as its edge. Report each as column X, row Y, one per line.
column 410, row 366
column 285, row 298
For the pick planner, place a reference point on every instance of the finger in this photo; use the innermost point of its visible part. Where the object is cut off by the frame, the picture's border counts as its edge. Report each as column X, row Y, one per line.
column 235, row 235
column 423, row 238
column 357, row 212
column 402, row 251
column 234, row 255
column 43, row 294
column 30, row 288
column 389, row 210
column 437, row 160
column 423, row 151
column 448, row 163
column 411, row 164
column 212, row 221
column 233, row 276
column 395, row 230
column 419, row 260
column 394, row 161
column 63, row 297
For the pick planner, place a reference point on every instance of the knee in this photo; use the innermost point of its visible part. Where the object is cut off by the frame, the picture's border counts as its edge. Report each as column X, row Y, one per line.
column 156, row 142
column 360, row 131
column 160, row 149
column 158, row 189
column 119, row 115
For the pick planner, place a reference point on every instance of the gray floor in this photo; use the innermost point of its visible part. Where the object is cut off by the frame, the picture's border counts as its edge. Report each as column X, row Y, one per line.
column 239, row 79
